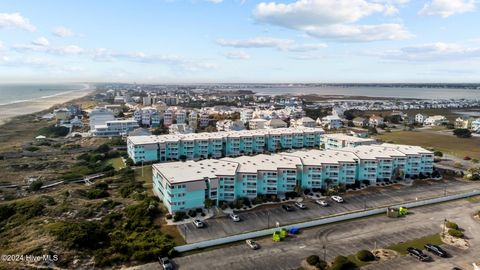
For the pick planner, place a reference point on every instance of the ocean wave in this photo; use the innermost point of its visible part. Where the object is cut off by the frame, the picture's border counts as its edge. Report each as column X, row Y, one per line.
column 85, row 87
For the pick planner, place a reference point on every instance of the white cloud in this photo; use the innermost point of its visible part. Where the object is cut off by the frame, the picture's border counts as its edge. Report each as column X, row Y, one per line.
column 215, row 1
column 268, row 42
column 175, row 61
column 431, row 52
column 447, row 8
column 237, row 55
column 359, row 33
column 62, row 31
column 323, row 18
column 15, row 20
column 41, row 41
column 43, row 45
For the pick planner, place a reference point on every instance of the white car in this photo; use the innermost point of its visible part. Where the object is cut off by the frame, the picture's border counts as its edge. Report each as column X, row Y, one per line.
column 234, row 217
column 300, row 205
column 198, row 223
column 322, row 202
column 337, row 198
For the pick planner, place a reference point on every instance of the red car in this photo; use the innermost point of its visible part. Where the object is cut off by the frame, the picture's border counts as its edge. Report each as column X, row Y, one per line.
column 467, row 158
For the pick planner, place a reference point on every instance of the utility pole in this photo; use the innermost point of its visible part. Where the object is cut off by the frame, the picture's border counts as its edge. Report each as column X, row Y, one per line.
column 268, row 219
column 324, row 253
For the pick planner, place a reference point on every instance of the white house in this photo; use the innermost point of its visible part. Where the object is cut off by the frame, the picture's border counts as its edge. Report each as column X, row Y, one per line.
column 99, row 116
column 230, row 125
column 435, row 120
column 420, row 118
column 180, row 129
column 304, row 122
column 332, row 122
column 376, row 121
column 276, row 123
column 257, row 124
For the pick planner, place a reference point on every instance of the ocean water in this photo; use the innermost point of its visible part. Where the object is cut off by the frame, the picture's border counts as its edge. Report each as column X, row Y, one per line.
column 15, row 93
column 394, row 92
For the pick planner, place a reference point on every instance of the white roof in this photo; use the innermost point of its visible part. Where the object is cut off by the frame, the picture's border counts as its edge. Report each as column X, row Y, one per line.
column 369, row 152
column 319, row 157
column 344, row 137
column 177, row 172
column 264, row 162
column 218, row 135
column 406, row 149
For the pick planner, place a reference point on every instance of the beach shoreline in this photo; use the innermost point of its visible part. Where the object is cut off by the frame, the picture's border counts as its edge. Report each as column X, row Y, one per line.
column 14, row 109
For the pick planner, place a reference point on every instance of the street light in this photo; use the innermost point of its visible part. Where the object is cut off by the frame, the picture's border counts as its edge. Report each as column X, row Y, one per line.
column 268, row 219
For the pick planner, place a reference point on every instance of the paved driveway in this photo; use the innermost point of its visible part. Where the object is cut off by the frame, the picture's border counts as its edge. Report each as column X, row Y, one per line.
column 347, row 238
column 268, row 216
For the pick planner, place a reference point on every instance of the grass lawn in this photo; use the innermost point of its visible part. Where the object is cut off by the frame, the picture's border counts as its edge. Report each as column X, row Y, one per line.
column 146, row 177
column 117, row 163
column 416, row 243
column 446, row 143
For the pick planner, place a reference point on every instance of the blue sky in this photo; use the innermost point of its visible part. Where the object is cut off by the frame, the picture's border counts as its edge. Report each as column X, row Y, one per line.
column 189, row 41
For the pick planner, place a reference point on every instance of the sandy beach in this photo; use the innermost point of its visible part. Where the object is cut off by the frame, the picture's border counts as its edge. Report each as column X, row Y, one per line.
column 8, row 111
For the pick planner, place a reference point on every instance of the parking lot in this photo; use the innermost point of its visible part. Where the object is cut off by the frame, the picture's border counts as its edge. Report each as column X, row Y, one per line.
column 268, row 215
column 347, row 238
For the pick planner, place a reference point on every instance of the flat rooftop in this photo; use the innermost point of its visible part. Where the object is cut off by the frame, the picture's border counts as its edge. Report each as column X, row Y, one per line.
column 178, row 172
column 273, row 162
column 218, row 135
column 344, row 137
column 318, row 157
column 373, row 152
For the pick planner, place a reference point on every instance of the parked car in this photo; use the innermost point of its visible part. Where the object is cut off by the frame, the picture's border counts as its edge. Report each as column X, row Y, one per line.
column 252, row 244
column 300, row 205
column 198, row 223
column 417, row 253
column 287, row 207
column 467, row 158
column 165, row 263
column 436, row 250
column 322, row 202
column 234, row 217
column 337, row 198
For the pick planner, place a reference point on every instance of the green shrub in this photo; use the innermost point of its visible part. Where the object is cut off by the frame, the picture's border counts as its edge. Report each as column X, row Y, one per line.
column 53, row 131
column 104, row 148
column 455, row 233
column 6, row 211
column 313, row 259
column 438, row 153
column 342, row 263
column 32, row 148
column 96, row 194
column 35, row 185
column 169, row 216
column 322, row 265
column 451, row 225
column 365, row 255
column 179, row 216
column 79, row 235
column 192, row 213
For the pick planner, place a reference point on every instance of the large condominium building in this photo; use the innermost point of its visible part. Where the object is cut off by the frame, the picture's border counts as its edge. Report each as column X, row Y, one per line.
column 186, row 185
column 219, row 144
column 115, row 128
column 339, row 140
column 99, row 116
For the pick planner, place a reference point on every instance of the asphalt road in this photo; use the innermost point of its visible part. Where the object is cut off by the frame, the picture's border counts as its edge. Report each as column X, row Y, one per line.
column 347, row 238
column 263, row 218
